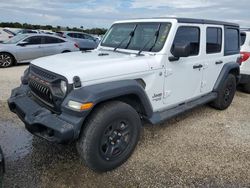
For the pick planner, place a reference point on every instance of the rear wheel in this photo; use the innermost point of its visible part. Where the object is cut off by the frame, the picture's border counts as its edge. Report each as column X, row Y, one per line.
column 6, row 60
column 225, row 94
column 110, row 136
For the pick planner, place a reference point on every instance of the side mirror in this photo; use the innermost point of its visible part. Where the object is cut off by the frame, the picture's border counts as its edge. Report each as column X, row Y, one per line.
column 180, row 50
column 22, row 43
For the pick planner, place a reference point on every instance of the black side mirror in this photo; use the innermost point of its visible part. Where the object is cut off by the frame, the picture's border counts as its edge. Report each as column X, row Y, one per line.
column 180, row 50
column 22, row 43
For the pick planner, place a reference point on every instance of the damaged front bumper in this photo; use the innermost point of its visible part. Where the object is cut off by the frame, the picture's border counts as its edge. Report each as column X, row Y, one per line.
column 59, row 128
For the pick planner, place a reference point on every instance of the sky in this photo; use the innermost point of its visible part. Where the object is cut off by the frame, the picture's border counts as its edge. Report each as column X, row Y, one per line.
column 102, row 13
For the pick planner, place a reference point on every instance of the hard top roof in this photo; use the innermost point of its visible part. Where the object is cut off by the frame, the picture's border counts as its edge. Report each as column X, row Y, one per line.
column 192, row 20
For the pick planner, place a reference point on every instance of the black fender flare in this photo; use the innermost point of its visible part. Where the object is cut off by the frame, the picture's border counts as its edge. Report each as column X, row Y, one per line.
column 107, row 91
column 227, row 68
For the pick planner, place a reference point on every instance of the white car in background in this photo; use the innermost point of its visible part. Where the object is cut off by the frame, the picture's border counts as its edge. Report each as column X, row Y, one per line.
column 84, row 40
column 245, row 60
column 24, row 48
column 5, row 34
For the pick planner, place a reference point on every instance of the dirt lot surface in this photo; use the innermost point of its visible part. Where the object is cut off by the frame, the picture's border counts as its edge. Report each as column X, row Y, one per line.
column 202, row 148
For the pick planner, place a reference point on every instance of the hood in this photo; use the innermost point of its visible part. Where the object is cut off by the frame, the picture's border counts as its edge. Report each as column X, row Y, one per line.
column 93, row 65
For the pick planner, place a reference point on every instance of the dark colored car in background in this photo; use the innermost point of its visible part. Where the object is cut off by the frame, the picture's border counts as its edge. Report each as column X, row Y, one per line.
column 2, row 167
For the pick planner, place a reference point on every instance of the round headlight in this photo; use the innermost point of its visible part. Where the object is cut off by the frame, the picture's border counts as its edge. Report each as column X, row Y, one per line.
column 63, row 86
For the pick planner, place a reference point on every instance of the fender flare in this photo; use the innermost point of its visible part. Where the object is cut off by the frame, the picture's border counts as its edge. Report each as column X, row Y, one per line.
column 107, row 91
column 227, row 68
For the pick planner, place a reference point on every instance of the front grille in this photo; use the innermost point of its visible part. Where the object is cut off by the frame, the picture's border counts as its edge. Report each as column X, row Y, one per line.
column 41, row 91
column 43, row 74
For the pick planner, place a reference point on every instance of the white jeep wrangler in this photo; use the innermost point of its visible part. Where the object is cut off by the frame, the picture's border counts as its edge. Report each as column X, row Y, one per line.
column 145, row 69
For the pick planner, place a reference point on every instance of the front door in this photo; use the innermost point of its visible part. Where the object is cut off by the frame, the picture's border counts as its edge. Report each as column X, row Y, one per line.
column 183, row 78
column 31, row 50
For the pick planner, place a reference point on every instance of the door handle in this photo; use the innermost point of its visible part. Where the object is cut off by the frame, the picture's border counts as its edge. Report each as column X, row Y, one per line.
column 197, row 66
column 218, row 62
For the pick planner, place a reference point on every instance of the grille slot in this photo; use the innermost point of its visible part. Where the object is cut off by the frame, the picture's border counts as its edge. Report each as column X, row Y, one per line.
column 41, row 91
column 42, row 73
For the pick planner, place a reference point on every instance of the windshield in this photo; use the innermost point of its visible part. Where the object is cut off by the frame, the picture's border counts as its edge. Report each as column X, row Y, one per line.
column 143, row 33
column 15, row 39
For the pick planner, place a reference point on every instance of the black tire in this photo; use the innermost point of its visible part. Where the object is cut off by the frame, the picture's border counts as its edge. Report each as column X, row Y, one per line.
column 246, row 88
column 225, row 94
column 6, row 60
column 110, row 136
column 66, row 51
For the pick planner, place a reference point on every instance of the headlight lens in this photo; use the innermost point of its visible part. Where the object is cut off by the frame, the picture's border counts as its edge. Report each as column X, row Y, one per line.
column 63, row 86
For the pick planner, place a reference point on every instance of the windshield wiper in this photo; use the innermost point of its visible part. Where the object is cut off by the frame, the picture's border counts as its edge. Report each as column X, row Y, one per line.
column 131, row 34
column 157, row 33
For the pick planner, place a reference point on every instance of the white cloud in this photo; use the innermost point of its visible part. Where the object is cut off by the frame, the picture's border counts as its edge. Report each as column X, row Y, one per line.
column 155, row 4
column 101, row 13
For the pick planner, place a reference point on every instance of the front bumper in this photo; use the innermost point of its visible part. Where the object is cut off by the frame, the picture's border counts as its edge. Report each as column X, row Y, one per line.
column 40, row 121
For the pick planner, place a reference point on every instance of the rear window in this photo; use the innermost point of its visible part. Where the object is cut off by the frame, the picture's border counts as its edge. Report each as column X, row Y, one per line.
column 232, row 43
column 52, row 40
column 73, row 35
column 243, row 38
column 214, row 40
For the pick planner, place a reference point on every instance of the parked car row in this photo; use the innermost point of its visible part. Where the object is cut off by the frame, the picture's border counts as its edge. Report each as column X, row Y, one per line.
column 84, row 41
column 24, row 48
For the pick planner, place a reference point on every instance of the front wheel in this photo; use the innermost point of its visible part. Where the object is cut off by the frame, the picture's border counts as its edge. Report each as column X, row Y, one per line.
column 110, row 136
column 6, row 60
column 225, row 94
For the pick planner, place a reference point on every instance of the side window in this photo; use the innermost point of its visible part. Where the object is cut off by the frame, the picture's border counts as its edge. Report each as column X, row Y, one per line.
column 73, row 35
column 34, row 40
column 80, row 36
column 243, row 38
column 88, row 37
column 52, row 40
column 188, row 34
column 232, row 43
column 214, row 40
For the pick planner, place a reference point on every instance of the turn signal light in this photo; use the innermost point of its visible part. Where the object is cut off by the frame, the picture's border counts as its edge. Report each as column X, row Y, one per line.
column 79, row 106
column 76, row 45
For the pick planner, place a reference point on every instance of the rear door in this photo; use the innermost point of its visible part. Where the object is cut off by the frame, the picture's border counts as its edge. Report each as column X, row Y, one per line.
column 52, row 45
column 213, row 56
column 32, row 50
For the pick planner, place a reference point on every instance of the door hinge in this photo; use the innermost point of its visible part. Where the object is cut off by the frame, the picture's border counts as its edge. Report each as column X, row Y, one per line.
column 203, row 85
column 205, row 66
column 167, row 94
column 168, row 72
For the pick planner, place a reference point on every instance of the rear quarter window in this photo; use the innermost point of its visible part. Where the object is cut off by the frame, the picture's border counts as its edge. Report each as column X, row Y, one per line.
column 232, row 41
column 243, row 38
column 214, row 40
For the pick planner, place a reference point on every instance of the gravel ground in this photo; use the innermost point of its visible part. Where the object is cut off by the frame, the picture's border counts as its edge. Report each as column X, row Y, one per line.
column 202, row 148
